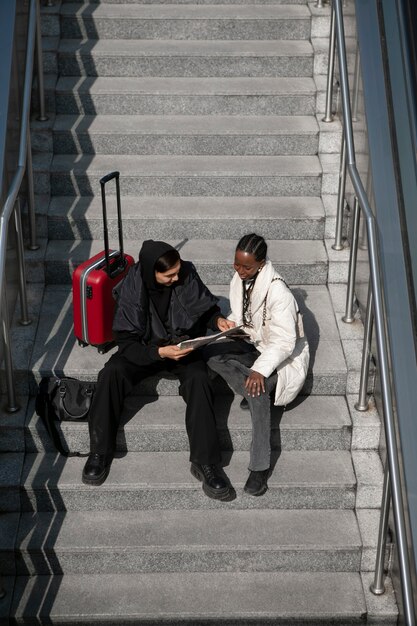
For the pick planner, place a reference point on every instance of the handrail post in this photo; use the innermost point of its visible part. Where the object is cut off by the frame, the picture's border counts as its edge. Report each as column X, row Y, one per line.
column 25, row 319
column 12, row 405
column 341, row 196
column 378, row 587
column 42, row 117
column 328, row 117
column 362, row 403
column 33, row 245
column 355, row 98
column 348, row 317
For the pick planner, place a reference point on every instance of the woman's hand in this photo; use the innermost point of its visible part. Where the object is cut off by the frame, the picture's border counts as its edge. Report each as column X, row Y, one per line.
column 255, row 384
column 173, row 352
column 224, row 324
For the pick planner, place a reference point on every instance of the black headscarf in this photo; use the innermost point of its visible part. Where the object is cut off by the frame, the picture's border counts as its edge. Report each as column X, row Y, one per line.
column 160, row 295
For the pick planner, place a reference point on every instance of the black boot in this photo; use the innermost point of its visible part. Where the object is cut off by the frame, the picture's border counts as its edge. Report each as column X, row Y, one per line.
column 96, row 469
column 214, row 485
column 257, row 485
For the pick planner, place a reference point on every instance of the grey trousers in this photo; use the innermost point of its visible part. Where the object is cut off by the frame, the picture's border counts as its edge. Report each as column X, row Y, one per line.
column 232, row 361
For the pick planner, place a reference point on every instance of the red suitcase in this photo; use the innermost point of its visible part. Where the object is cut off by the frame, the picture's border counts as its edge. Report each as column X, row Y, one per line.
column 94, row 280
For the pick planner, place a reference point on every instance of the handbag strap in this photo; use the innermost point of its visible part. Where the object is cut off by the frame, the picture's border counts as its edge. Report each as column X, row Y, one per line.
column 264, row 303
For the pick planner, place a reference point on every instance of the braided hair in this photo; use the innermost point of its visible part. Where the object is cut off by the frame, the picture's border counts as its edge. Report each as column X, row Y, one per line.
column 253, row 244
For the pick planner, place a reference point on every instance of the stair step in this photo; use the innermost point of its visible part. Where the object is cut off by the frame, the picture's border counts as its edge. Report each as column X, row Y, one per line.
column 187, row 541
column 186, row 96
column 186, row 135
column 156, row 2
column 192, row 598
column 162, row 480
column 188, row 175
column 327, row 358
column 301, row 262
column 153, row 57
column 130, row 21
column 150, row 424
column 199, row 217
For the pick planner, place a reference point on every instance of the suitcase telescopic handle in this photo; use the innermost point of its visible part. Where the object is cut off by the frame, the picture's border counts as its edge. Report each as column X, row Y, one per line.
column 103, row 181
column 109, row 177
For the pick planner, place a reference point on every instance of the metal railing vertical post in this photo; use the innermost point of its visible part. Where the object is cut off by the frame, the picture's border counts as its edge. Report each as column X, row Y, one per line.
column 33, row 245
column 328, row 116
column 378, row 587
column 362, row 403
column 341, row 196
column 348, row 317
column 355, row 100
column 41, row 86
column 12, row 405
column 25, row 320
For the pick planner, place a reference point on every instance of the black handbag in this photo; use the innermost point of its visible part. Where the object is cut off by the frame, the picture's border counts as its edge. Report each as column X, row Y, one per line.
column 63, row 399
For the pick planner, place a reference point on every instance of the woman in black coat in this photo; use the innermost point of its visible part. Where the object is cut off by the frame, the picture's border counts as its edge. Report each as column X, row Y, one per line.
column 161, row 301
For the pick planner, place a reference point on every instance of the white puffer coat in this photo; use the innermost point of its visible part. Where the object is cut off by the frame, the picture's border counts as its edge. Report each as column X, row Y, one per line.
column 277, row 331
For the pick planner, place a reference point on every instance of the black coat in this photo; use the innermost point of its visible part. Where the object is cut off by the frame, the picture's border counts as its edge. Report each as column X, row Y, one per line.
column 192, row 310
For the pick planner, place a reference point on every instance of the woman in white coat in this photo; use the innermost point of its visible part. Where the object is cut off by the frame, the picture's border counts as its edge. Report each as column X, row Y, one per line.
column 276, row 357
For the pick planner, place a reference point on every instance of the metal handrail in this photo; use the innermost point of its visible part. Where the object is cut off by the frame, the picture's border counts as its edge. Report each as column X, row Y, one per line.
column 387, row 400
column 9, row 208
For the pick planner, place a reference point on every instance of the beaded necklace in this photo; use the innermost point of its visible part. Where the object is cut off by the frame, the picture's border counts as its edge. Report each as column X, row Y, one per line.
column 247, row 288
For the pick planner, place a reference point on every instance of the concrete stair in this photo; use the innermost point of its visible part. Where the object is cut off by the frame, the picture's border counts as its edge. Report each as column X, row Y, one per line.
column 305, row 262
column 199, row 599
column 316, row 423
column 200, row 217
column 267, row 541
column 208, row 109
column 162, row 480
column 154, row 57
column 138, row 21
column 188, row 175
column 186, row 135
column 190, row 96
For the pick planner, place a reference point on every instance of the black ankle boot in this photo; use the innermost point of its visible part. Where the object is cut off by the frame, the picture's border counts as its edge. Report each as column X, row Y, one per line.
column 214, row 485
column 257, row 485
column 96, row 469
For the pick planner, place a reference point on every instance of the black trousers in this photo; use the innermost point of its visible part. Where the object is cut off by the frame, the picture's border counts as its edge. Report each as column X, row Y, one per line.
column 117, row 379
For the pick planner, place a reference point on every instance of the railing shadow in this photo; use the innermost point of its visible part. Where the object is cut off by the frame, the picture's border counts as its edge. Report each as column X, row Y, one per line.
column 41, row 499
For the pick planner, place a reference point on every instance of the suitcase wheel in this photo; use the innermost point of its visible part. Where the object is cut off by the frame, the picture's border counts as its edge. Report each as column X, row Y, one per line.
column 82, row 343
column 105, row 347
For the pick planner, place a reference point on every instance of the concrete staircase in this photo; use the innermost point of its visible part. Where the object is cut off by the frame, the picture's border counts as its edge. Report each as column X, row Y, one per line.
column 209, row 111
